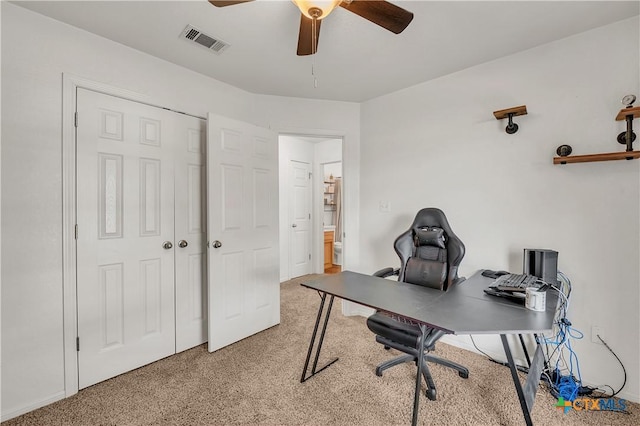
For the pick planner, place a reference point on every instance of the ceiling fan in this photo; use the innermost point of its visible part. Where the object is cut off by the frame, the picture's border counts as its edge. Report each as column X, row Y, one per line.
column 380, row 12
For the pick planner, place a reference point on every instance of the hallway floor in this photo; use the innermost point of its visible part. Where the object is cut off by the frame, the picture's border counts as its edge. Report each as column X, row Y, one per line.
column 334, row 269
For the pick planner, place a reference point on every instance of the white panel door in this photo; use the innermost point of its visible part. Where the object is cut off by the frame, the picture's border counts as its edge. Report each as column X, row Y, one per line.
column 242, row 228
column 125, row 271
column 299, row 219
column 188, row 133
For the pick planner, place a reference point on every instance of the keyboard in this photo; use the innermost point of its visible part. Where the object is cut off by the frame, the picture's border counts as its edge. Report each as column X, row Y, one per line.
column 515, row 296
column 516, row 282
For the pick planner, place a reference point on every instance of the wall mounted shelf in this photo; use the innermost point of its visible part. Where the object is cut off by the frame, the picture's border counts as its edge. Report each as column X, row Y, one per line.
column 627, row 137
column 509, row 113
column 625, row 155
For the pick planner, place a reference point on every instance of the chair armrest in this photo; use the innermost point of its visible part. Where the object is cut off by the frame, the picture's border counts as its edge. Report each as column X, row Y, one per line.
column 386, row 272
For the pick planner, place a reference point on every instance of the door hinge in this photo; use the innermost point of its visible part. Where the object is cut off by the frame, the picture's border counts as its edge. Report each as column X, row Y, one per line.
column 310, row 175
column 309, row 215
column 75, row 119
column 77, row 344
column 76, row 232
column 309, row 256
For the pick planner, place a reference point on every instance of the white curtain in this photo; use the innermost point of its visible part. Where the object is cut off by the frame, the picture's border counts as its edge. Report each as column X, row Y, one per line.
column 338, row 197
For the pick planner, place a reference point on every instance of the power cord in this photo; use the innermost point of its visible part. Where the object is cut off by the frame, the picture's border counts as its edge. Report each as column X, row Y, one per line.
column 482, row 352
column 503, row 363
column 624, row 370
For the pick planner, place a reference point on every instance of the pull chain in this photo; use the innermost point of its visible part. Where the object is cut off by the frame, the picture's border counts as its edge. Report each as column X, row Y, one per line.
column 314, row 39
column 314, row 43
column 313, row 74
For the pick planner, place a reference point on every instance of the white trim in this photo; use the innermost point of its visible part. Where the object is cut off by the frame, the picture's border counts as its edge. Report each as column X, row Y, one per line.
column 315, row 133
column 318, row 263
column 350, row 309
column 69, row 85
column 33, row 406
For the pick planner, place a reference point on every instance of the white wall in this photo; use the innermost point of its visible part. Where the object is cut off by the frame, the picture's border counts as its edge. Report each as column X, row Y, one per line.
column 332, row 169
column 438, row 144
column 0, row 207
column 36, row 51
column 329, row 152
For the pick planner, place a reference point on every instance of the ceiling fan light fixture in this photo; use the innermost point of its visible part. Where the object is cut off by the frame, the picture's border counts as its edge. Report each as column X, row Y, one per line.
column 317, row 9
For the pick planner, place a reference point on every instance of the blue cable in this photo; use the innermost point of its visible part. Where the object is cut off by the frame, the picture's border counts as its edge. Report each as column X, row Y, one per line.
column 567, row 386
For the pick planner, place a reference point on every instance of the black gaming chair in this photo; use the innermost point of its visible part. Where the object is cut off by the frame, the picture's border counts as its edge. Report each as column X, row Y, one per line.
column 430, row 254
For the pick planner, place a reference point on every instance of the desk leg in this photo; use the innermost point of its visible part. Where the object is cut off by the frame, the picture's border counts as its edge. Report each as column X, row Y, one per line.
column 313, row 340
column 516, row 381
column 416, row 396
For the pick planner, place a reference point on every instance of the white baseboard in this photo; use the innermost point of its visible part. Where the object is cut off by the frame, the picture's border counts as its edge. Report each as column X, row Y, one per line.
column 32, row 406
column 463, row 342
column 350, row 309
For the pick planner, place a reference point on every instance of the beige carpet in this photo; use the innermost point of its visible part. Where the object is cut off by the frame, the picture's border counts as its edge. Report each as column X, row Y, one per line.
column 257, row 381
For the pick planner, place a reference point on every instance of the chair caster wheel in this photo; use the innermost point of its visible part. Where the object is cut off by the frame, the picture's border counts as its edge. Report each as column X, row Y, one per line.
column 386, row 348
column 463, row 374
column 431, row 394
column 378, row 372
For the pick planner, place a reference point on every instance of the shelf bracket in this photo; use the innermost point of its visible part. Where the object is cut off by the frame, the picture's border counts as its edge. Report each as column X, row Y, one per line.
column 628, row 137
column 509, row 113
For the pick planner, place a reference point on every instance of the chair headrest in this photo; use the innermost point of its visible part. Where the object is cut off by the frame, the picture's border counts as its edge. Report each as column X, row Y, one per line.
column 429, row 236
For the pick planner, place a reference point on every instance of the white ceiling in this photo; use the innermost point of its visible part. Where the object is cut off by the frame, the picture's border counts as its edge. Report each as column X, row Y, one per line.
column 356, row 60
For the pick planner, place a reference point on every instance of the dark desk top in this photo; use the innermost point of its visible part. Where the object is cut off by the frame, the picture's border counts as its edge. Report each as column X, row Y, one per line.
column 464, row 309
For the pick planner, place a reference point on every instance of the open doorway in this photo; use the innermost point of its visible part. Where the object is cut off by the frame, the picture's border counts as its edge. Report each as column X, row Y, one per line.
column 332, row 216
column 306, row 247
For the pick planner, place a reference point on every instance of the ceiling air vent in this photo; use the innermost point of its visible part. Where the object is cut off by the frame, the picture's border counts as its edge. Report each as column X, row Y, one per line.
column 193, row 34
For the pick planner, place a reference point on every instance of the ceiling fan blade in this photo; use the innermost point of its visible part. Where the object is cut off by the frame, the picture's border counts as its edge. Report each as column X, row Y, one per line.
column 380, row 12
column 223, row 3
column 307, row 45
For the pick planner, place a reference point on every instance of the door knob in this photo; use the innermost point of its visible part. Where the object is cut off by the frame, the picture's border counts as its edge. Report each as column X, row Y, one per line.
column 217, row 244
column 167, row 245
column 294, row 225
column 183, row 243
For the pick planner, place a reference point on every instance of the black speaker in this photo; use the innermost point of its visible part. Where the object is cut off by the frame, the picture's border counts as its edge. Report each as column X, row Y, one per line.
column 541, row 263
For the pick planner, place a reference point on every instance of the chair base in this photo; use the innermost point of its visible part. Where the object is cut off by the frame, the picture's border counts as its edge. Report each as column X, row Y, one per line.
column 431, row 387
column 462, row 371
column 426, row 374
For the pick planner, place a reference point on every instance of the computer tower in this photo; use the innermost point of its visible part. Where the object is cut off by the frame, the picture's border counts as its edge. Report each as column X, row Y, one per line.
column 541, row 263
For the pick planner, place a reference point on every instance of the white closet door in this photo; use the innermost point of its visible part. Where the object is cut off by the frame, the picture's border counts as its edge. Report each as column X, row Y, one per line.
column 190, row 250
column 244, row 288
column 125, row 212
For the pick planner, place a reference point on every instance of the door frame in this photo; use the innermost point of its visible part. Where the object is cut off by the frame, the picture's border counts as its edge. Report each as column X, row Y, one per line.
column 70, row 84
column 320, row 209
column 317, row 231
